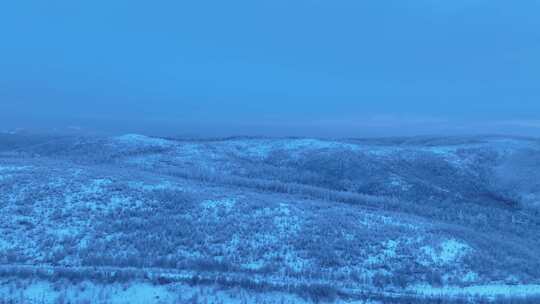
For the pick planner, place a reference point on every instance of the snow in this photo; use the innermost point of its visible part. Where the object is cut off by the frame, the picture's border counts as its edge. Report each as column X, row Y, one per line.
column 372, row 220
column 490, row 290
column 144, row 141
column 214, row 206
column 13, row 168
column 470, row 276
column 95, row 186
column 146, row 161
column 449, row 251
column 93, row 190
column 162, row 185
column 142, row 293
column 399, row 182
column 285, row 225
column 262, row 148
column 47, row 292
column 285, row 221
column 317, row 144
column 44, row 292
column 255, row 149
column 260, row 225
column 4, row 244
column 452, row 250
column 7, row 172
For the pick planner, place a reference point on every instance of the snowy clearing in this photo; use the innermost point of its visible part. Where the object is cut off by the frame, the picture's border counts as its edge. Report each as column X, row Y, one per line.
column 488, row 291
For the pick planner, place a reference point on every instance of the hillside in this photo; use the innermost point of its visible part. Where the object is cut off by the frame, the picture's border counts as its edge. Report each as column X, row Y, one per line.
column 319, row 218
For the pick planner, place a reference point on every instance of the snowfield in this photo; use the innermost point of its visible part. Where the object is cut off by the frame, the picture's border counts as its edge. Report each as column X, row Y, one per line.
column 491, row 291
column 44, row 292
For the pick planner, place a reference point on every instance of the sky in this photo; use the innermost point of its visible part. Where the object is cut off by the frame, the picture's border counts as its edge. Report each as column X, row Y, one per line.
column 340, row 68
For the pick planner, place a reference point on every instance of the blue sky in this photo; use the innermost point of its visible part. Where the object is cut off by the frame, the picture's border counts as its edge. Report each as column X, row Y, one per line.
column 316, row 68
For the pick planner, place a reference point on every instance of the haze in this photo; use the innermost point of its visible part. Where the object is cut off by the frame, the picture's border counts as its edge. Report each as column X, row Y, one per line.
column 302, row 68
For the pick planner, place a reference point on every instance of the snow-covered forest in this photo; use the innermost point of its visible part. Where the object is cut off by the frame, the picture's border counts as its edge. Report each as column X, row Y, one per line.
column 138, row 219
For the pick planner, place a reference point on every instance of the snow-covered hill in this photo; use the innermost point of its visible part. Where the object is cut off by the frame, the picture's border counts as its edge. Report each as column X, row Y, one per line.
column 345, row 217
